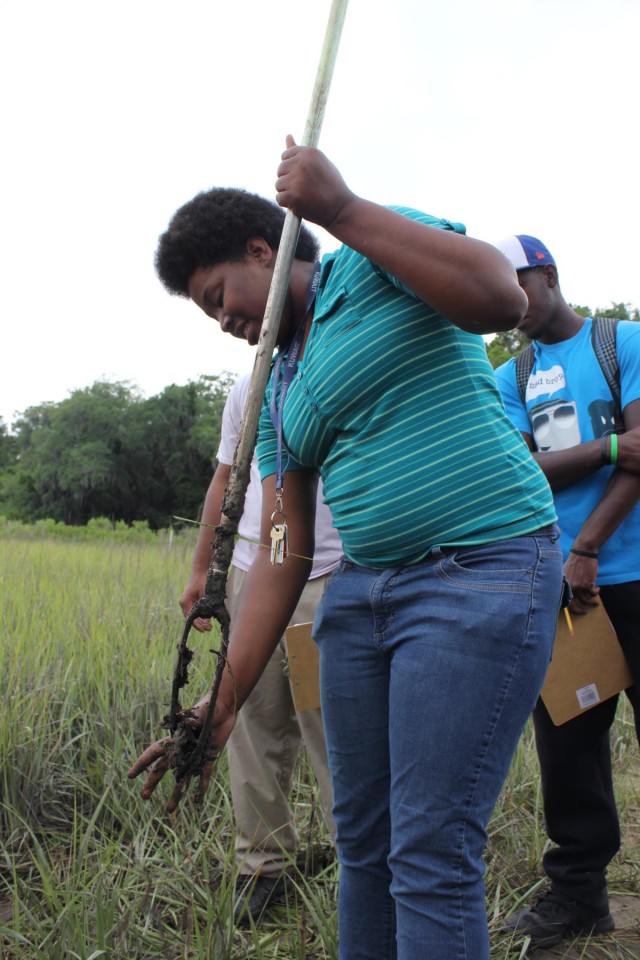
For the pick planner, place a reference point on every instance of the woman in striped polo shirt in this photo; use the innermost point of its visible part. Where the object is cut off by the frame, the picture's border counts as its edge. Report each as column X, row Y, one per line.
column 436, row 631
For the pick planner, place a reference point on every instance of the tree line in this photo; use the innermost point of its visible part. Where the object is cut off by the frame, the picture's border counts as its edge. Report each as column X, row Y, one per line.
column 105, row 451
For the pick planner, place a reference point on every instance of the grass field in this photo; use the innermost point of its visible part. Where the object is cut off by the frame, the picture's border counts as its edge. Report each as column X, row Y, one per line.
column 87, row 869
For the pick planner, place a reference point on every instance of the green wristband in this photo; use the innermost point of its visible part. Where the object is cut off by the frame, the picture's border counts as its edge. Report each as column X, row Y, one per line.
column 613, row 441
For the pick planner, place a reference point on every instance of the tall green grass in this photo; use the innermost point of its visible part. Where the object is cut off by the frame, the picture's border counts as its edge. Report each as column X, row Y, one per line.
column 87, row 869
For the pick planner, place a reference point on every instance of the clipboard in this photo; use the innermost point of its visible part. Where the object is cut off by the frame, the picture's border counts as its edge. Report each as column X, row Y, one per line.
column 586, row 668
column 304, row 667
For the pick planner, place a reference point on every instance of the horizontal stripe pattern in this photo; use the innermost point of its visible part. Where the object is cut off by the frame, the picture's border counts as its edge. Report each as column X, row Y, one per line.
column 399, row 411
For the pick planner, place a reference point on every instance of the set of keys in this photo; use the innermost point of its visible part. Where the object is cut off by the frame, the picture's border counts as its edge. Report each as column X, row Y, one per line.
column 278, row 542
column 278, row 532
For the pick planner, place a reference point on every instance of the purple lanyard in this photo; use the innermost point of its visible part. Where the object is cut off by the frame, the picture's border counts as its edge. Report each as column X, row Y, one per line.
column 283, row 374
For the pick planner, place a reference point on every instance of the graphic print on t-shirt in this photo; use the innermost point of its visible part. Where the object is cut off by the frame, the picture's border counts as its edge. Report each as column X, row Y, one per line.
column 555, row 425
column 544, row 383
column 603, row 418
column 554, row 421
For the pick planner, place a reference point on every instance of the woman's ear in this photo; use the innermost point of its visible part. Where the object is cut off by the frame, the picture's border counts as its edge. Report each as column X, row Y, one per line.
column 259, row 250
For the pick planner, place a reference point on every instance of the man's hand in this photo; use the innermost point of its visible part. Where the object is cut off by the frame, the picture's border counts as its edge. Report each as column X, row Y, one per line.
column 582, row 572
column 192, row 592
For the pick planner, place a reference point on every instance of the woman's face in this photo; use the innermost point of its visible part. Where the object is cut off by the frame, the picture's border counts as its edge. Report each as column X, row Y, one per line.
column 235, row 294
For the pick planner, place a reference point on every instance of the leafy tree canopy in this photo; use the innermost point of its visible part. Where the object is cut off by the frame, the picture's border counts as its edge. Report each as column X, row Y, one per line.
column 8, row 446
column 107, row 452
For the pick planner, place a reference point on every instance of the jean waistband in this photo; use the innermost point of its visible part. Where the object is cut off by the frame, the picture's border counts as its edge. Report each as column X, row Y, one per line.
column 437, row 551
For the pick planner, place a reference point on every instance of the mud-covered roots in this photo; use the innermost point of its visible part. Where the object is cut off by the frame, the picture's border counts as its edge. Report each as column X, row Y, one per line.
column 182, row 750
column 184, row 659
column 209, row 606
column 186, row 750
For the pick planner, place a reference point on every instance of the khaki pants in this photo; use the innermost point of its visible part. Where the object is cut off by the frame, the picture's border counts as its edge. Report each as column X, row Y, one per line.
column 263, row 748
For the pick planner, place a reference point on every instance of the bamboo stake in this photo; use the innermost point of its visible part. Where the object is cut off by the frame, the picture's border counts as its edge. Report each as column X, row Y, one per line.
column 187, row 752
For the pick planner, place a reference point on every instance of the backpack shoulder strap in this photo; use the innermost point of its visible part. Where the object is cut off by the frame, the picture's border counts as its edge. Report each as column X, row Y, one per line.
column 603, row 340
column 524, row 366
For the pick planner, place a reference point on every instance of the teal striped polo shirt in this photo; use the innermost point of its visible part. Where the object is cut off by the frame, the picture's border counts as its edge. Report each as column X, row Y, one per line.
column 399, row 412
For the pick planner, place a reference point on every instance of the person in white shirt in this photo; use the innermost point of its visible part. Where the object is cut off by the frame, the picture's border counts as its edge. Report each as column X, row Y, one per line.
column 265, row 743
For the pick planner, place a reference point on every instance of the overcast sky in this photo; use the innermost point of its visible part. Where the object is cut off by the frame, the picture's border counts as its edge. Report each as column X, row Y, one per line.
column 513, row 116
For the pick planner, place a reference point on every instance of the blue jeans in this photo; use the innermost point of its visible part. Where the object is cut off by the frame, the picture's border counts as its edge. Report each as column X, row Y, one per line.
column 428, row 675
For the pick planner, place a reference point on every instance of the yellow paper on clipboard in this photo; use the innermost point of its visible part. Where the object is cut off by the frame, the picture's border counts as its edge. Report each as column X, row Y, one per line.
column 586, row 668
column 304, row 667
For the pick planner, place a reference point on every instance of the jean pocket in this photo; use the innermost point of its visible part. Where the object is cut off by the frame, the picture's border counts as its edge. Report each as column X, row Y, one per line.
column 507, row 565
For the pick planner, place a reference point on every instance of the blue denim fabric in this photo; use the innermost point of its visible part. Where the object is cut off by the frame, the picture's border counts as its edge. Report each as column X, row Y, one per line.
column 428, row 675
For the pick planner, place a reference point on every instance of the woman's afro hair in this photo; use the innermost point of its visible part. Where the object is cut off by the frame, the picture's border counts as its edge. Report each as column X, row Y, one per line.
column 214, row 227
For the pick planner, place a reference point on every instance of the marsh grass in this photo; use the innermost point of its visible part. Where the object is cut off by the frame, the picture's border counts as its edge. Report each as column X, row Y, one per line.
column 87, row 869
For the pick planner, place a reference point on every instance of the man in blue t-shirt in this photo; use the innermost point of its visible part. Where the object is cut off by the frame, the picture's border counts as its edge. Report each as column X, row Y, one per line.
column 567, row 417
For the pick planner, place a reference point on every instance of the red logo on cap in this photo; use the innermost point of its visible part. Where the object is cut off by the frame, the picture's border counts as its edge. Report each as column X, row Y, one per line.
column 540, row 256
